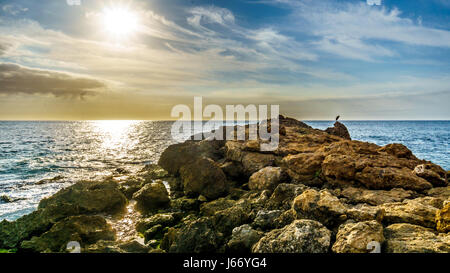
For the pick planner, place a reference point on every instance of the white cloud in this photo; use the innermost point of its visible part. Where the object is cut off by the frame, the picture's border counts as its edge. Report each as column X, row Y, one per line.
column 13, row 9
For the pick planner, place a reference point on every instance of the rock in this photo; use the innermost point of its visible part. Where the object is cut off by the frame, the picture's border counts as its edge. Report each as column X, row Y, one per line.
column 376, row 197
column 265, row 219
column 225, row 220
column 339, row 130
column 83, row 229
column 185, row 204
column 155, row 232
column 398, row 150
column 304, row 168
column 283, row 196
column 134, row 247
column 197, row 236
column 103, row 246
column 432, row 173
column 443, row 219
column 164, row 219
column 57, row 178
column 267, row 178
column 321, row 206
column 243, row 238
column 364, row 212
column 250, row 161
column 387, row 178
column 89, row 197
column 151, row 197
column 210, row 208
column 302, row 236
column 286, row 218
column 355, row 237
column 203, row 177
column 6, row 199
column 233, row 170
column 410, row 211
column 129, row 187
column 341, row 167
column 153, row 171
column 408, row 238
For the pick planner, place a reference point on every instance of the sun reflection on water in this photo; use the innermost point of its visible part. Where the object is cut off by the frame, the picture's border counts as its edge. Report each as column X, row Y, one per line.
column 116, row 134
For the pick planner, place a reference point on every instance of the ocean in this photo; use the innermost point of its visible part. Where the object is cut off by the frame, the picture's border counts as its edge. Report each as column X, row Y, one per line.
column 38, row 158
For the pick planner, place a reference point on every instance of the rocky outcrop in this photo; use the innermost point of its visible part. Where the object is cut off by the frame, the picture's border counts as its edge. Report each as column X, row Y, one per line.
column 443, row 219
column 339, row 130
column 302, row 236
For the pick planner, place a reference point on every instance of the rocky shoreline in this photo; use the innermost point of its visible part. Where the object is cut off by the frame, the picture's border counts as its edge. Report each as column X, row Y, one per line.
column 318, row 192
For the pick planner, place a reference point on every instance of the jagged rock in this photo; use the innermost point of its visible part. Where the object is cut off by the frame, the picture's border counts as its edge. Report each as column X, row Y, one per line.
column 267, row 178
column 442, row 193
column 354, row 237
column 129, row 187
column 376, row 197
column 243, row 238
column 185, row 204
column 204, row 177
column 408, row 238
column 197, row 236
column 410, row 211
column 265, row 219
column 83, row 229
column 301, row 236
column 443, row 219
column 286, row 218
column 432, row 173
column 398, row 150
column 387, row 178
column 339, row 130
column 89, row 197
column 152, row 196
column 210, row 208
column 364, row 212
column 251, row 161
column 283, row 196
column 164, row 219
column 225, row 220
column 304, row 168
column 321, row 206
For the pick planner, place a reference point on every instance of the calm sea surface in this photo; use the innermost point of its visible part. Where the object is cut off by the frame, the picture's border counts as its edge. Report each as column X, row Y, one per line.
column 31, row 152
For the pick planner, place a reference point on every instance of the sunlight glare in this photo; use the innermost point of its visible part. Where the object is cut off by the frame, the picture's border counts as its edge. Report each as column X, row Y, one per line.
column 120, row 22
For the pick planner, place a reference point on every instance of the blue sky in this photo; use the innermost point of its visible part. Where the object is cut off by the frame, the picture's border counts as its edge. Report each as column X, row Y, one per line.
column 315, row 59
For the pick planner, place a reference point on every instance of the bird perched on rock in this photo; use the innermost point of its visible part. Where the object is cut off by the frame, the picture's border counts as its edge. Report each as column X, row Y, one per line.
column 337, row 118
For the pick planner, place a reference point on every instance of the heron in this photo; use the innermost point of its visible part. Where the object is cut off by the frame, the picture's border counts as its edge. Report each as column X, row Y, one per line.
column 337, row 118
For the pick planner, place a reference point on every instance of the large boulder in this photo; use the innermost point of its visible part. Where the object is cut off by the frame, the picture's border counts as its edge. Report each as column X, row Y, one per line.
column 82, row 229
column 378, row 178
column 301, row 236
column 304, row 168
column 355, row 237
column 321, row 206
column 408, row 238
column 250, row 161
column 432, row 173
column 265, row 179
column 443, row 219
column 203, row 177
column 151, row 197
column 376, row 197
column 243, row 238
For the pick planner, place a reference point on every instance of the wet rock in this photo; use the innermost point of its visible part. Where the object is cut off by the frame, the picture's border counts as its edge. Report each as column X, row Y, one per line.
column 6, row 199
column 302, row 236
column 376, row 197
column 134, row 247
column 443, row 219
column 339, row 130
column 387, row 178
column 151, row 197
column 410, row 211
column 185, row 204
column 319, row 205
column 267, row 178
column 408, row 238
column 83, row 229
column 265, row 219
column 203, row 177
column 432, row 173
column 129, row 187
column 354, row 237
column 243, row 238
column 55, row 179
column 153, row 171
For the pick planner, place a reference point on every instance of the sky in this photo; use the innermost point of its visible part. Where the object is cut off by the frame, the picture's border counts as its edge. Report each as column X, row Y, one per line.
column 130, row 59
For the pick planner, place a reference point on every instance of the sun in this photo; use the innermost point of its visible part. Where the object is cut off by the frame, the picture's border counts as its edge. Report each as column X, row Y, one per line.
column 120, row 22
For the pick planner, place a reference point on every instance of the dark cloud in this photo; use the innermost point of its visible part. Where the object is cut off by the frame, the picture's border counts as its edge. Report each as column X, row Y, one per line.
column 16, row 79
column 3, row 48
